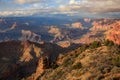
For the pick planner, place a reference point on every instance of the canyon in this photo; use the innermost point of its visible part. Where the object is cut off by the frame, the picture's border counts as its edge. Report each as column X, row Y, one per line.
column 53, row 49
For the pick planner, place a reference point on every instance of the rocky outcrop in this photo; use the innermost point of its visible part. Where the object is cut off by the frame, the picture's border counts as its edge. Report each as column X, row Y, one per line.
column 102, row 29
column 110, row 27
column 29, row 35
column 87, row 20
column 77, row 25
column 114, row 33
column 14, row 26
column 25, row 59
column 64, row 44
column 90, row 37
column 56, row 32
column 102, row 24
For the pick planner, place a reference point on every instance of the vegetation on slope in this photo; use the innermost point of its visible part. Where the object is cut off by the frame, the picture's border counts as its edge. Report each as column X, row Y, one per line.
column 96, row 61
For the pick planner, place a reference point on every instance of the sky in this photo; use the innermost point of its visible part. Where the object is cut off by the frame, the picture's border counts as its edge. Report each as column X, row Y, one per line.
column 83, row 8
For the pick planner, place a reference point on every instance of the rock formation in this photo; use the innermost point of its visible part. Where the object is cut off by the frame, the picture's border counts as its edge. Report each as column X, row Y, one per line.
column 29, row 35
column 114, row 33
column 102, row 29
column 77, row 25
column 55, row 31
column 20, row 59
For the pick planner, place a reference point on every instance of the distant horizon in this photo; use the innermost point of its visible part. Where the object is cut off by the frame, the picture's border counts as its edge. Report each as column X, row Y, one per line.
column 62, row 16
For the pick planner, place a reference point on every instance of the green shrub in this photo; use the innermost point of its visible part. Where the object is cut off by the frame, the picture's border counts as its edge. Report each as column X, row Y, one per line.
column 67, row 62
column 56, row 76
column 115, row 49
column 115, row 78
column 83, row 48
column 54, row 66
column 60, row 73
column 95, row 44
column 108, row 43
column 116, row 61
column 77, row 66
column 115, row 69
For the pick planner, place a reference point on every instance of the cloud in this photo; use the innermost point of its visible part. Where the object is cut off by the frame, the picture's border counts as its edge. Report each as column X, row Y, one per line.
column 94, row 6
column 72, row 2
column 32, row 7
column 27, row 1
column 18, row 13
